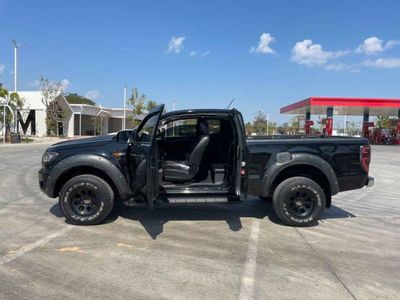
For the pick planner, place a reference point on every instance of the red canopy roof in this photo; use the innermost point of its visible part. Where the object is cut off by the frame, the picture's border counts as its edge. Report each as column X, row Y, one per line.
column 345, row 106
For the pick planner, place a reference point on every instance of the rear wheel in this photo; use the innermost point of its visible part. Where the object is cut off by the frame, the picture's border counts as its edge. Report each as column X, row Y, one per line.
column 299, row 201
column 86, row 200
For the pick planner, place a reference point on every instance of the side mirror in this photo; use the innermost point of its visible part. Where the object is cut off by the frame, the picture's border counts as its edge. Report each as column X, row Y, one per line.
column 123, row 136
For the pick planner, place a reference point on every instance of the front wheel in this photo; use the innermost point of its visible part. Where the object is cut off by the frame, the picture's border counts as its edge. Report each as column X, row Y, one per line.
column 299, row 201
column 86, row 200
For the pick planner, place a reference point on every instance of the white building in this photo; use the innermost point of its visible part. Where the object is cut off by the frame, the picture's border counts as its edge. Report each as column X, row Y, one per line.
column 79, row 119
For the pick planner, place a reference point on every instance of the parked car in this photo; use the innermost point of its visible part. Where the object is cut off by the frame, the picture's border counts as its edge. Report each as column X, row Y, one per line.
column 202, row 156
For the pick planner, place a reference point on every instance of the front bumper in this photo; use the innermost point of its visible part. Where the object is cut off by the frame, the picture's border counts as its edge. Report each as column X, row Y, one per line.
column 43, row 175
column 370, row 181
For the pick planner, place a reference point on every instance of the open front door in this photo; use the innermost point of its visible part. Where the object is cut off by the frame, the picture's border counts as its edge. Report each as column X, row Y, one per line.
column 241, row 156
column 143, row 153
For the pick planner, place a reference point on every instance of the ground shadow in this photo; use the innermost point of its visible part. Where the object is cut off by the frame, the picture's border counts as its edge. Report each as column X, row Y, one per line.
column 335, row 212
column 153, row 220
column 56, row 210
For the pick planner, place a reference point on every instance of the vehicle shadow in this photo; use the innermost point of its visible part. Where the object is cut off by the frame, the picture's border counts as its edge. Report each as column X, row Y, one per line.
column 153, row 220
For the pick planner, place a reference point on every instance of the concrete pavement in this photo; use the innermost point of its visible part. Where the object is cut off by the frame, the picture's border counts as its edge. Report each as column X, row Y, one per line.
column 238, row 251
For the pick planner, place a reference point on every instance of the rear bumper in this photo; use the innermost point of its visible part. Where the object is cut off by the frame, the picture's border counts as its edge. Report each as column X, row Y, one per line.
column 370, row 181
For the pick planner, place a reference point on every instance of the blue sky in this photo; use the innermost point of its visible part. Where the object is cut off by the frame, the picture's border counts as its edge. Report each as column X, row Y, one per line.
column 265, row 54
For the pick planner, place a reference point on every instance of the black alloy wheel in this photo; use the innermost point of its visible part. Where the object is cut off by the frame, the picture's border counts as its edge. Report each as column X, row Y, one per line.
column 86, row 200
column 299, row 201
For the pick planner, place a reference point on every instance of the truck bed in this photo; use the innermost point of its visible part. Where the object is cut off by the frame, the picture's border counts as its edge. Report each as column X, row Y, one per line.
column 341, row 153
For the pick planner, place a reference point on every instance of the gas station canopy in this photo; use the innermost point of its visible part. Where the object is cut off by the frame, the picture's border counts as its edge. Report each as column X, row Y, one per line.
column 345, row 106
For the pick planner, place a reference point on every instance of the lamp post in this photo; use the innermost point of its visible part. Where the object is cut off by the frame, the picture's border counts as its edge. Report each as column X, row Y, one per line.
column 16, row 46
column 124, row 120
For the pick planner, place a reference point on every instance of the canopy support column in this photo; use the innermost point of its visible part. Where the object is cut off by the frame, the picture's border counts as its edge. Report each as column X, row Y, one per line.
column 366, row 125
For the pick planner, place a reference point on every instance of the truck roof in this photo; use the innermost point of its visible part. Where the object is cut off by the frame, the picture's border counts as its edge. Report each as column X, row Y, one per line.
column 197, row 112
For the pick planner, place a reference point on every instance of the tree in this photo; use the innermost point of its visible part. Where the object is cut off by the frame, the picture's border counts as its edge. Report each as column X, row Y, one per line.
column 352, row 128
column 260, row 123
column 54, row 110
column 14, row 102
column 137, row 103
column 283, row 129
column 295, row 124
column 151, row 104
column 74, row 98
column 261, row 126
column 249, row 128
column 383, row 122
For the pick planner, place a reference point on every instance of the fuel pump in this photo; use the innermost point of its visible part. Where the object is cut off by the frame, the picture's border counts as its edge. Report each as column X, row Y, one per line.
column 307, row 126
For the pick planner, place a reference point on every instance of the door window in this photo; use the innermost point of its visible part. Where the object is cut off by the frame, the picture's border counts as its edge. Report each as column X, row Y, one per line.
column 214, row 125
column 188, row 127
column 146, row 132
column 181, row 128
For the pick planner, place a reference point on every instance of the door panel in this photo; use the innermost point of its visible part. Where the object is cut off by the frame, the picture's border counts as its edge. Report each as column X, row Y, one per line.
column 242, row 156
column 143, row 156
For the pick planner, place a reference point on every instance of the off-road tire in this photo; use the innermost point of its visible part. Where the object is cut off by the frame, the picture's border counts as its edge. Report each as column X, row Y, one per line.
column 299, row 201
column 86, row 200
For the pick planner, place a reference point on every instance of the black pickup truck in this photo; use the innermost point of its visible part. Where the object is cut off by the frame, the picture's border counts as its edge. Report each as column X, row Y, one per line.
column 202, row 156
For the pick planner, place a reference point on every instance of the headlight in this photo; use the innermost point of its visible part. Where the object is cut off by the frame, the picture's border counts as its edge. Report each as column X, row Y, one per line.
column 48, row 156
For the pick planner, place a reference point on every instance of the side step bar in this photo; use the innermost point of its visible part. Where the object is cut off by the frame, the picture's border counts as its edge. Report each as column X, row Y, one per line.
column 162, row 201
column 182, row 200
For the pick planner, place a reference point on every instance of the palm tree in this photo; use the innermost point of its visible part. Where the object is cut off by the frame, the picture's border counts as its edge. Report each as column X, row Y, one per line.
column 136, row 102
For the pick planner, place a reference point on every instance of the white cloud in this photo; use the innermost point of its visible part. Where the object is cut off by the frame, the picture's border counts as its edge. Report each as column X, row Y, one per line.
column 64, row 84
column 373, row 46
column 263, row 45
column 92, row 94
column 386, row 63
column 336, row 67
column 339, row 67
column 2, row 68
column 175, row 45
column 309, row 54
column 193, row 53
column 206, row 53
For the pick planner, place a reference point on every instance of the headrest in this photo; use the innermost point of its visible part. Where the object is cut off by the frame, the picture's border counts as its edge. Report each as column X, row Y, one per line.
column 203, row 127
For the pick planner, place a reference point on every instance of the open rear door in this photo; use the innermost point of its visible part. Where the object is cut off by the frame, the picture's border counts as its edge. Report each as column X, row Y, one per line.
column 241, row 156
column 144, row 152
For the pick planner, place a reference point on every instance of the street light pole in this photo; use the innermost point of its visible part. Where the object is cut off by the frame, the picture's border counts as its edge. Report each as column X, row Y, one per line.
column 15, row 68
column 124, row 120
column 16, row 46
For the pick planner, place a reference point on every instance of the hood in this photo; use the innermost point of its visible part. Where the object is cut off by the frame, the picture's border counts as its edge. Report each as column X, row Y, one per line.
column 79, row 143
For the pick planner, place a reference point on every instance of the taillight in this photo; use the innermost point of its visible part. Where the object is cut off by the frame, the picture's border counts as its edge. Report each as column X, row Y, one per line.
column 365, row 157
column 243, row 168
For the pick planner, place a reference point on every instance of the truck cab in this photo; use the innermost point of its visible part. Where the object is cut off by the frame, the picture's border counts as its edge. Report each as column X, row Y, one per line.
column 200, row 154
